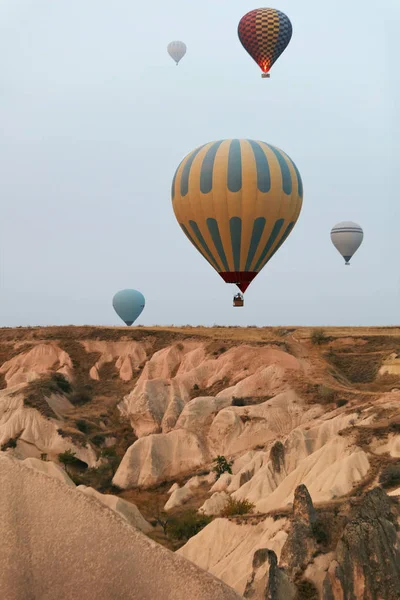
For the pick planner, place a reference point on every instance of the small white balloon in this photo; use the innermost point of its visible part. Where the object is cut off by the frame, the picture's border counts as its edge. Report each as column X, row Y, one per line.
column 176, row 50
column 347, row 237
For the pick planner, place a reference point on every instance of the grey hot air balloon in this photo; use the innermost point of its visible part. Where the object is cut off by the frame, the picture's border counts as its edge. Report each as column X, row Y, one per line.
column 128, row 304
column 347, row 237
column 176, row 50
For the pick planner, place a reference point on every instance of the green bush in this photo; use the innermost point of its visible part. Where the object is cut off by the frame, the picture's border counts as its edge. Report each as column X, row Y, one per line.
column 319, row 532
column 186, row 525
column 83, row 426
column 62, row 383
column 79, row 398
column 109, row 452
column 390, row 475
column 238, row 401
column 222, row 466
column 341, row 403
column 12, row 443
column 100, row 479
column 318, row 336
column 237, row 507
column 98, row 439
column 69, row 458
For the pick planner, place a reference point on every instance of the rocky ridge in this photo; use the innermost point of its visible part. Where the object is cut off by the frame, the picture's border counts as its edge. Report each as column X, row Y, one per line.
column 308, row 427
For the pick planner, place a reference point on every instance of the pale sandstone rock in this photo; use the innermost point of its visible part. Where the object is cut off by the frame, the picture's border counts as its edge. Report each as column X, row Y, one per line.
column 181, row 495
column 37, row 434
column 40, row 360
column 49, row 468
column 238, row 429
column 161, row 457
column 169, row 377
column 216, row 504
column 222, row 483
column 196, row 413
column 391, row 365
column 227, row 549
column 79, row 548
column 127, row 510
column 178, row 497
column 173, row 488
column 392, row 446
column 127, row 356
column 328, row 473
column 259, row 479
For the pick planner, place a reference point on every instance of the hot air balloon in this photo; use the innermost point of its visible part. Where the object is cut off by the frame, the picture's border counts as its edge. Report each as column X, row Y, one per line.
column 237, row 201
column 176, row 50
column 264, row 34
column 347, row 237
column 128, row 304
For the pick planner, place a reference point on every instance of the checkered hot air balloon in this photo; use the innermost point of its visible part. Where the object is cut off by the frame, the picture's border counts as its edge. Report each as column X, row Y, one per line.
column 237, row 201
column 264, row 34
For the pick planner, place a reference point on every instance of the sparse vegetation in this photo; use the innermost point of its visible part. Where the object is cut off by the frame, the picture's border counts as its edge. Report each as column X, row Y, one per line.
column 306, row 590
column 99, row 478
column 83, row 426
column 162, row 519
column 187, row 524
column 325, row 394
column 221, row 466
column 69, row 459
column 79, row 398
column 109, row 453
column 319, row 532
column 390, row 475
column 12, row 443
column 281, row 332
column 318, row 336
column 357, row 368
column 219, row 351
column 98, row 439
column 196, row 387
column 341, row 403
column 277, row 456
column 249, row 400
column 238, row 401
column 237, row 507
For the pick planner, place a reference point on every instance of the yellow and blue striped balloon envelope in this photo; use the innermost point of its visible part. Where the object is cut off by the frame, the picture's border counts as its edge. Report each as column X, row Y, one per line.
column 237, row 201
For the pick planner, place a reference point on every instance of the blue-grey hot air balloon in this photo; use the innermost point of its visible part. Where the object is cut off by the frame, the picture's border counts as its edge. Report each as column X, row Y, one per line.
column 347, row 237
column 128, row 304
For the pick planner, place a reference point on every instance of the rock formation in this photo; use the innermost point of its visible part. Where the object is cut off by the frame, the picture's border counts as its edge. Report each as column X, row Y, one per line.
column 309, row 432
column 58, row 543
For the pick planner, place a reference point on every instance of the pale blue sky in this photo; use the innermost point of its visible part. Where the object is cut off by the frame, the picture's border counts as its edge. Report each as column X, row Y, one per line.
column 95, row 118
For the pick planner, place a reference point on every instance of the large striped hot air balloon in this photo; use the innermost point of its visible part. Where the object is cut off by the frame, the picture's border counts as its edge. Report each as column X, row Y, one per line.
column 237, row 201
column 264, row 34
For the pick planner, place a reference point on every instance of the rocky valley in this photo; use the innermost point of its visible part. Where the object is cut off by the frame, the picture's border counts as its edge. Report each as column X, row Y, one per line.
column 142, row 463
